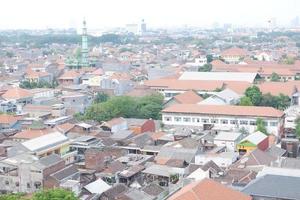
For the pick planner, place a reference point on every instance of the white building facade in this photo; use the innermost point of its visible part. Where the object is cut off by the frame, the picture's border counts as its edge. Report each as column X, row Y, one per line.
column 173, row 116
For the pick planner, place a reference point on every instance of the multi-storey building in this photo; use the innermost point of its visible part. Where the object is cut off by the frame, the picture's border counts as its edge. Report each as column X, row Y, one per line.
column 234, row 117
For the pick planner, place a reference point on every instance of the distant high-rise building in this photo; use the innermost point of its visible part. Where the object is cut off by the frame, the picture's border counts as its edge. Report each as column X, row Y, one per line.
column 137, row 29
column 132, row 28
column 295, row 22
column 143, row 27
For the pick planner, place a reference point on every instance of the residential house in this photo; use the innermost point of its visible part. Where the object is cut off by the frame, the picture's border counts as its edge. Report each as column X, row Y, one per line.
column 52, row 143
column 70, row 77
column 139, row 126
column 254, row 160
column 76, row 102
column 9, row 122
column 228, row 139
column 26, row 173
column 97, row 159
column 59, row 177
column 256, row 140
column 218, row 156
column 97, row 187
column 8, row 106
column 19, row 95
column 38, row 111
column 38, row 76
column 115, row 125
column 208, row 189
column 234, row 55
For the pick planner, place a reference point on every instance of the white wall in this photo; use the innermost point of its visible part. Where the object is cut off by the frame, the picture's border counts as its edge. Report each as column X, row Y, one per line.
column 200, row 120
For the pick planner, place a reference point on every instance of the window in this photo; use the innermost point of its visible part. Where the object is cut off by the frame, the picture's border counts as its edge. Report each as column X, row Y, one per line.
column 243, row 122
column 168, row 95
column 198, row 120
column 265, row 123
column 17, row 184
column 273, row 123
column 204, row 120
column 168, row 119
column 177, row 119
column 253, row 123
column 6, row 183
column 214, row 121
column 233, row 121
column 224, row 121
column 186, row 119
column 28, row 185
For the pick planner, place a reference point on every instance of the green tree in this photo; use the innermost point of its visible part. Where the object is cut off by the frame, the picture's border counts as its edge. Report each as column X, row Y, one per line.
column 125, row 106
column 260, row 126
column 54, row 194
column 246, row 101
column 279, row 102
column 254, row 94
column 275, row 77
column 209, row 58
column 283, row 101
column 205, row 68
column 101, row 97
column 289, row 61
column 18, row 196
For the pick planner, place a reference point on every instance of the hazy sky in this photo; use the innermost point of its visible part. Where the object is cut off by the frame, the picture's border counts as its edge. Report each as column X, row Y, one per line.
column 110, row 13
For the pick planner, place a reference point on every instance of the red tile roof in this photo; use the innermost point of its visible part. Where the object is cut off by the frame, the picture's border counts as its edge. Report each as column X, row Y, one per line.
column 34, row 74
column 224, row 110
column 234, row 52
column 275, row 88
column 72, row 74
column 30, row 134
column 8, row 119
column 208, row 189
column 16, row 93
column 188, row 97
column 174, row 84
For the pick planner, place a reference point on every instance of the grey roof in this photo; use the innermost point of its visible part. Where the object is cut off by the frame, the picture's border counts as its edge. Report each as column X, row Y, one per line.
column 276, row 151
column 153, row 189
column 115, row 191
column 50, row 160
column 274, row 186
column 65, row 173
column 121, row 135
column 141, row 140
column 177, row 153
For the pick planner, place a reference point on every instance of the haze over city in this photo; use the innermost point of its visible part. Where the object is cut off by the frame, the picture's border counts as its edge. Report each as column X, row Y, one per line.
column 34, row 14
column 150, row 100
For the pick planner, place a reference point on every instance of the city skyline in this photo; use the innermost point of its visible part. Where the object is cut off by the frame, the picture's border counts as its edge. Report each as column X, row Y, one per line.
column 33, row 14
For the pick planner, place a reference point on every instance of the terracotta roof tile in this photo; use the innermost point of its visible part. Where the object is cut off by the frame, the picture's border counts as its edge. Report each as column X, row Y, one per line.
column 188, row 97
column 8, row 119
column 208, row 189
column 234, row 52
column 16, row 93
column 224, row 110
